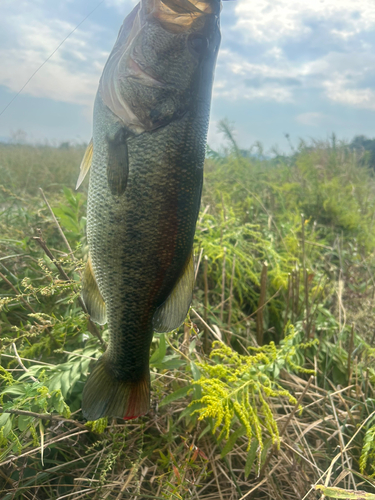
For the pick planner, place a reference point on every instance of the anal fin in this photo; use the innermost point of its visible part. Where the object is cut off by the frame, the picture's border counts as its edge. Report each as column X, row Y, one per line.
column 92, row 297
column 171, row 314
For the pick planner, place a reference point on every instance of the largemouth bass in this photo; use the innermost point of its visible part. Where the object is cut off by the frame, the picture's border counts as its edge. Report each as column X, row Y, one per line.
column 149, row 135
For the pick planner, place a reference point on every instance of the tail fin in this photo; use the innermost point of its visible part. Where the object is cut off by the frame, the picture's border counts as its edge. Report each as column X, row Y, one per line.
column 106, row 396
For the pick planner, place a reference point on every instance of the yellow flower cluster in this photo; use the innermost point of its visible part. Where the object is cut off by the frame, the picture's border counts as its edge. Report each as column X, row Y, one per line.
column 238, row 388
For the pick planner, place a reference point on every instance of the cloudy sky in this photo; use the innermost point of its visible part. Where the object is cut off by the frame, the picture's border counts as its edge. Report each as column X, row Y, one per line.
column 286, row 66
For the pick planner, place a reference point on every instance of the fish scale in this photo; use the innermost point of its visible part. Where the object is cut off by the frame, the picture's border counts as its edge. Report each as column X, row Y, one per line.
column 145, row 187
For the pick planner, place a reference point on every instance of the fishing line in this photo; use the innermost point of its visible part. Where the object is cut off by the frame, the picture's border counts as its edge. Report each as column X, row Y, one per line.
column 49, row 57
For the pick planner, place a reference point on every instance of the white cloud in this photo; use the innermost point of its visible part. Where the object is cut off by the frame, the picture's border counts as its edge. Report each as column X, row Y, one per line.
column 344, row 77
column 270, row 20
column 71, row 75
column 236, row 74
column 274, row 93
column 358, row 98
column 311, row 119
column 120, row 4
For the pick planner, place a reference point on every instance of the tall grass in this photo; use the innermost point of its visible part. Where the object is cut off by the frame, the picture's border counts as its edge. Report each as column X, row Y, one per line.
column 25, row 168
column 285, row 287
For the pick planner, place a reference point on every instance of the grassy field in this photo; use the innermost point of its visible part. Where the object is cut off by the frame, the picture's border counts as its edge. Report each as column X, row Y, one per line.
column 266, row 391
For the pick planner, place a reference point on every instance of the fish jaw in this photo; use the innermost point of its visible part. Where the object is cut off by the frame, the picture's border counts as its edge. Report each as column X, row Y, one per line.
column 180, row 15
column 156, row 61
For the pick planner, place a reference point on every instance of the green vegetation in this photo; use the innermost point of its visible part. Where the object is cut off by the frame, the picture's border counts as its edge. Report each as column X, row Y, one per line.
column 268, row 386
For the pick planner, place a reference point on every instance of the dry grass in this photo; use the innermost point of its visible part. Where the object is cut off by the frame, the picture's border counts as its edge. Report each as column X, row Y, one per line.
column 321, row 446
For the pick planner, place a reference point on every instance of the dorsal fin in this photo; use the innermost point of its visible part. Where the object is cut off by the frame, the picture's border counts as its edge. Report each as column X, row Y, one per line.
column 85, row 164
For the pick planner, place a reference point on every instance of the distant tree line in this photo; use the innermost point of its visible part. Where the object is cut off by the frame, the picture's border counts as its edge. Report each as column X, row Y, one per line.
column 367, row 147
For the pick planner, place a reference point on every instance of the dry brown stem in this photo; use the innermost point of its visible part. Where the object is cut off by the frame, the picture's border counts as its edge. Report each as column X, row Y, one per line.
column 261, row 304
column 21, row 364
column 72, row 256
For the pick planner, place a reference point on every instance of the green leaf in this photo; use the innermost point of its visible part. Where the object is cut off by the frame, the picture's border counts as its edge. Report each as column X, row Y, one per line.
column 251, row 457
column 197, row 375
column 164, row 459
column 7, row 426
column 192, row 346
column 180, row 393
column 232, row 440
column 267, row 445
column 189, row 410
column 70, row 197
column 54, row 383
column 76, row 369
column 204, row 432
column 160, row 352
column 195, row 371
column 23, row 422
column 16, row 390
column 65, row 383
column 341, row 493
column 4, row 418
column 85, row 366
column 171, row 364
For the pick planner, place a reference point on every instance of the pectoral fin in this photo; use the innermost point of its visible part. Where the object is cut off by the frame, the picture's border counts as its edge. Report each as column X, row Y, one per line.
column 171, row 314
column 85, row 164
column 118, row 162
column 92, row 297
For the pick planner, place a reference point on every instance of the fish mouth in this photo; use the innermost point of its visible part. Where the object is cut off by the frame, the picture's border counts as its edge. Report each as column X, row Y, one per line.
column 179, row 15
column 190, row 6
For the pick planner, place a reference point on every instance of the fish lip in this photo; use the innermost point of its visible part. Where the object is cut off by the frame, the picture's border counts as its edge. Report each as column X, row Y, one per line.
column 139, row 73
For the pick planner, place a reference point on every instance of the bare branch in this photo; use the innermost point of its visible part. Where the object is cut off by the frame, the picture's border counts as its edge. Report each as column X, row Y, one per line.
column 58, row 226
column 21, row 364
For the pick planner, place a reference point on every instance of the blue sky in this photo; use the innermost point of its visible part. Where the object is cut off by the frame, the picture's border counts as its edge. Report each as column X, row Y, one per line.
column 285, row 66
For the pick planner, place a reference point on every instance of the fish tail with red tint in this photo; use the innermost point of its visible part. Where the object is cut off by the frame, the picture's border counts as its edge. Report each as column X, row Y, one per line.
column 105, row 395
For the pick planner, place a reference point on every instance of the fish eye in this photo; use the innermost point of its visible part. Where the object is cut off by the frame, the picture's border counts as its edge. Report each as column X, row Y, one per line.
column 197, row 43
